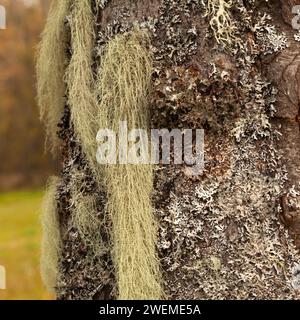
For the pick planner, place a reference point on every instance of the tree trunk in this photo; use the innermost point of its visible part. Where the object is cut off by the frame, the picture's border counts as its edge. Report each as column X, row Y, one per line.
column 232, row 232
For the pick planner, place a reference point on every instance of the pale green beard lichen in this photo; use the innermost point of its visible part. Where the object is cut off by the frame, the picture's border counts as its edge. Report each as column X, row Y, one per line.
column 51, row 241
column 85, row 217
column 123, row 87
column 79, row 77
column 51, row 64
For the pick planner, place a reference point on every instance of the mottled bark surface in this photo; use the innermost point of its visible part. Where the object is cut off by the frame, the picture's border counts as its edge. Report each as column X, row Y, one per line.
column 284, row 70
column 221, row 234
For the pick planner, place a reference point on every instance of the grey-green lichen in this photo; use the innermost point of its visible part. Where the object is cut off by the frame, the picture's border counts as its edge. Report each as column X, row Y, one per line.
column 268, row 38
column 220, row 235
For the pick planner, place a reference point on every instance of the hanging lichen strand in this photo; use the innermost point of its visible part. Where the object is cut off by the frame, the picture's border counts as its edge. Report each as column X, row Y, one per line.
column 79, row 77
column 122, row 90
column 83, row 108
column 123, row 87
column 51, row 240
column 51, row 64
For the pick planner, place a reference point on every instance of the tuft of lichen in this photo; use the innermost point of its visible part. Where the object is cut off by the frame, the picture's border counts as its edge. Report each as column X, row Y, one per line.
column 221, row 21
column 123, row 86
column 297, row 36
column 50, row 69
column 51, row 239
column 268, row 37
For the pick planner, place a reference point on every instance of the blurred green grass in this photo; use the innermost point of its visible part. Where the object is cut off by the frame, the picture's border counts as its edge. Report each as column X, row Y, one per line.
column 20, row 236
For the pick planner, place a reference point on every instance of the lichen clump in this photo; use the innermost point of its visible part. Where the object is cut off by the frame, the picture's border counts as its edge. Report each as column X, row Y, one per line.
column 123, row 88
column 51, row 66
column 51, row 241
column 220, row 20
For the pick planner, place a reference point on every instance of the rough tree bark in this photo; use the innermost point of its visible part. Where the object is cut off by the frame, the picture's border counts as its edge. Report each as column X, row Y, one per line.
column 232, row 232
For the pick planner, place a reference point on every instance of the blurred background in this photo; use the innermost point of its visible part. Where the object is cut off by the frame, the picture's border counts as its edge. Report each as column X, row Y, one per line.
column 24, row 165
